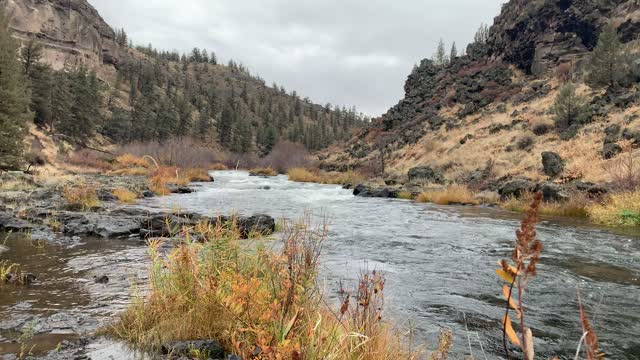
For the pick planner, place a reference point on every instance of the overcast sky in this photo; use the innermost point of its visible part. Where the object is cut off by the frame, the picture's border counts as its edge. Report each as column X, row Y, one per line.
column 347, row 52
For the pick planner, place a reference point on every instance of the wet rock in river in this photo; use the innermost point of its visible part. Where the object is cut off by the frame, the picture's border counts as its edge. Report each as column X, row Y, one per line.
column 113, row 227
column 10, row 223
column 162, row 225
column 104, row 279
column 174, row 189
column 25, row 279
column 365, row 191
column 209, row 348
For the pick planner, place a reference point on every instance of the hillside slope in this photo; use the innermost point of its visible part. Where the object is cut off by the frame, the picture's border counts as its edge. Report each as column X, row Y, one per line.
column 151, row 95
column 488, row 115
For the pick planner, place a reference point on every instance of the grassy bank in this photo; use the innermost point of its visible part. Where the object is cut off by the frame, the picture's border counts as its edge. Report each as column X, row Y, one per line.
column 218, row 289
column 617, row 209
column 351, row 178
column 622, row 209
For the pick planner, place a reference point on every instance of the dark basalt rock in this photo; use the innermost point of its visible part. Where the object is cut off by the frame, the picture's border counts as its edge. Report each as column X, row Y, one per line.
column 10, row 223
column 552, row 163
column 610, row 150
column 365, row 191
column 104, row 279
column 516, row 188
column 425, row 174
column 174, row 189
column 552, row 192
column 211, row 349
column 536, row 38
column 591, row 188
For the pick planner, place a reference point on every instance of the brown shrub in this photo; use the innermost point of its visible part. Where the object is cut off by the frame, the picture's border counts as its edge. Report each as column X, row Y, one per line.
column 196, row 175
column 82, row 196
column 564, row 72
column 241, row 161
column 265, row 171
column 286, row 155
column 91, row 159
column 182, row 152
column 125, row 196
column 623, row 170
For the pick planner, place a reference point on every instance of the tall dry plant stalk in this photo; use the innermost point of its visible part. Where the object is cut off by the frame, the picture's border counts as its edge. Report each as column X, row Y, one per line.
column 517, row 273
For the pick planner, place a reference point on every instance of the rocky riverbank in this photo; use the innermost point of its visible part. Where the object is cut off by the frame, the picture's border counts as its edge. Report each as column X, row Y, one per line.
column 36, row 216
column 41, row 210
column 481, row 187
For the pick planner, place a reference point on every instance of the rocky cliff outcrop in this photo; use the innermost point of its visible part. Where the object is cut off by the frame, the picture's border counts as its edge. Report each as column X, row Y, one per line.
column 536, row 35
column 72, row 31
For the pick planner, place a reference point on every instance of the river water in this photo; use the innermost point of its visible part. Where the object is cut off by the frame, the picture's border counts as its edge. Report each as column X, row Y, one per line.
column 439, row 264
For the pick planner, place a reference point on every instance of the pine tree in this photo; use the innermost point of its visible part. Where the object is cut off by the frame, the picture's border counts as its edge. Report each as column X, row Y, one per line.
column 440, row 57
column 61, row 100
column 41, row 85
column 569, row 108
column 242, row 137
column 14, row 100
column 85, row 107
column 481, row 36
column 607, row 65
column 118, row 127
column 270, row 138
column 204, row 123
column 454, row 52
column 226, row 123
column 31, row 53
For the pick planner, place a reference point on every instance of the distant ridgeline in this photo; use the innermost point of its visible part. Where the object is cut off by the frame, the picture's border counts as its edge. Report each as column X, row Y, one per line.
column 84, row 79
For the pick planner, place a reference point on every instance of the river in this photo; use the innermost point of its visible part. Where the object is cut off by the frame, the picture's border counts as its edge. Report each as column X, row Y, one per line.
column 439, row 263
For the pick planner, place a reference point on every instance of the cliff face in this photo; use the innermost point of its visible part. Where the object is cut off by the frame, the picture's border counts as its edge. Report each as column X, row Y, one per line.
column 536, row 35
column 72, row 31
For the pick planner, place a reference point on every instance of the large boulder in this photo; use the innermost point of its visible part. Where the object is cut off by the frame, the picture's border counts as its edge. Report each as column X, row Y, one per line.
column 553, row 192
column 260, row 224
column 591, row 188
column 10, row 223
column 365, row 191
column 114, row 227
column 610, row 150
column 516, row 188
column 552, row 163
column 425, row 174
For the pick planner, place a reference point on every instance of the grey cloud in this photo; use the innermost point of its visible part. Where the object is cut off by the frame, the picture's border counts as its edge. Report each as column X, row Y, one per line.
column 351, row 52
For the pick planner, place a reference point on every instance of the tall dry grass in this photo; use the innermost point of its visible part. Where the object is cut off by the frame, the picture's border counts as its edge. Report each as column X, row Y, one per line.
column 453, row 194
column 350, row 178
column 622, row 209
column 577, row 205
column 125, row 196
column 263, row 171
column 258, row 299
column 81, row 196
